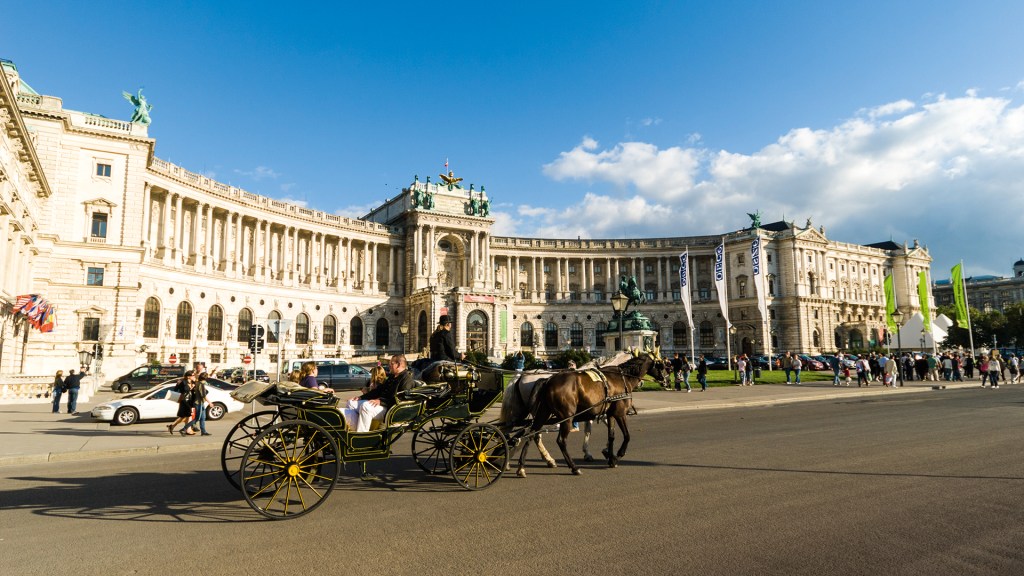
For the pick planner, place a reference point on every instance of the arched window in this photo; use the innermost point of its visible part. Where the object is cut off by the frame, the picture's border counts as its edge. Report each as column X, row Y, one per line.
column 151, row 319
column 679, row 332
column 215, row 324
column 601, row 329
column 382, row 335
column 244, row 325
column 422, row 331
column 184, row 326
column 526, row 334
column 476, row 331
column 355, row 332
column 816, row 338
column 856, row 340
column 551, row 335
column 302, row 329
column 330, row 331
column 707, row 335
column 576, row 335
column 273, row 319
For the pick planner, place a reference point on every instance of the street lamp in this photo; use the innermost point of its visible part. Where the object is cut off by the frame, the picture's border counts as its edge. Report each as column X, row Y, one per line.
column 728, row 353
column 85, row 359
column 897, row 317
column 404, row 329
column 619, row 303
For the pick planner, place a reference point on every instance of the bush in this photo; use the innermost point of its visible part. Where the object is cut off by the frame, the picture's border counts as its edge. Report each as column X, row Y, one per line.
column 478, row 358
column 509, row 363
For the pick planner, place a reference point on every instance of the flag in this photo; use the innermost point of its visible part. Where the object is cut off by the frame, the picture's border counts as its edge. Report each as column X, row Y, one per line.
column 445, row 164
column 922, row 296
column 723, row 298
column 890, row 303
column 684, row 286
column 759, row 276
column 960, row 296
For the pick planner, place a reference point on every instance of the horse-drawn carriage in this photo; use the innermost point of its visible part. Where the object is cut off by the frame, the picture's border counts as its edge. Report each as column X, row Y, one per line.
column 287, row 460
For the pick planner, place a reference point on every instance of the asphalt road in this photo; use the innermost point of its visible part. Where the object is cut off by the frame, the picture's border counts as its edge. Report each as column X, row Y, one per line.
column 924, row 484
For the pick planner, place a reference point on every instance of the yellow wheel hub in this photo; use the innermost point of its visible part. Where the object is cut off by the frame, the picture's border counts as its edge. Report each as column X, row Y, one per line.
column 481, row 457
column 293, row 469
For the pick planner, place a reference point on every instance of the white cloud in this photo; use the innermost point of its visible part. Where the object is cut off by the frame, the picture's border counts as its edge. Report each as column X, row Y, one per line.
column 258, row 173
column 290, row 200
column 948, row 171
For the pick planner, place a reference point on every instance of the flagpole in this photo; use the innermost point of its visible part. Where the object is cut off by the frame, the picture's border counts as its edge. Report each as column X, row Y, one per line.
column 689, row 308
column 967, row 305
column 931, row 324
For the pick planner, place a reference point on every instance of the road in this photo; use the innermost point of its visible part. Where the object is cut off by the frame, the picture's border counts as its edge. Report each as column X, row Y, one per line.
column 922, row 484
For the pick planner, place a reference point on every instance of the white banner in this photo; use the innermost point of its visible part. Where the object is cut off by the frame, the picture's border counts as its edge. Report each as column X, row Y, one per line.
column 759, row 276
column 723, row 298
column 684, row 287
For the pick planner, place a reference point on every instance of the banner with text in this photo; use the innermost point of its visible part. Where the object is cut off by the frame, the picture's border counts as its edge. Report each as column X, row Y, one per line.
column 684, row 288
column 759, row 276
column 720, row 286
column 890, row 303
column 960, row 296
column 922, row 296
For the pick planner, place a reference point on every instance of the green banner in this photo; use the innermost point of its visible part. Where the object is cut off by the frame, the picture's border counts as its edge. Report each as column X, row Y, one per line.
column 922, row 296
column 960, row 295
column 890, row 303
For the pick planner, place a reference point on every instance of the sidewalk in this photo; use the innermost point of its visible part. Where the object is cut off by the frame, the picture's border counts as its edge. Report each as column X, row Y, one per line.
column 31, row 434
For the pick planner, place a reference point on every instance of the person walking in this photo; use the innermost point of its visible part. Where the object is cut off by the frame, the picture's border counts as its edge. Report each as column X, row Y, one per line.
column 57, row 390
column 797, row 366
column 702, row 373
column 863, row 371
column 787, row 364
column 983, row 369
column 686, row 367
column 836, row 363
column 200, row 402
column 677, row 371
column 184, row 390
column 741, row 367
column 72, row 384
column 994, row 368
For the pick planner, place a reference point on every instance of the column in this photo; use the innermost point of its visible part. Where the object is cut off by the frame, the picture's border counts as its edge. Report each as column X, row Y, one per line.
column 295, row 255
column 659, row 291
column 5, row 271
column 391, row 270
column 193, row 241
column 338, row 283
column 208, row 249
column 590, row 275
column 417, row 253
column 431, row 270
column 239, row 233
column 147, row 193
column 167, row 226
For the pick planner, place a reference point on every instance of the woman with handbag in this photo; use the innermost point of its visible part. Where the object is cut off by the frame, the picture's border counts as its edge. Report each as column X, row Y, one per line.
column 186, row 401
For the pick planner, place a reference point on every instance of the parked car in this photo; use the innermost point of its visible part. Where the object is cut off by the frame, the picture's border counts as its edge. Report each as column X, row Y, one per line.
column 760, row 361
column 161, row 403
column 225, row 373
column 240, row 375
column 343, row 376
column 716, row 363
column 812, row 364
column 144, row 377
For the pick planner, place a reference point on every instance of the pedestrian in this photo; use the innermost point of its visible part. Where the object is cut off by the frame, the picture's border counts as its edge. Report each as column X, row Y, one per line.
column 957, row 370
column 889, row 373
column 200, row 402
column 947, row 367
column 797, row 366
column 787, row 364
column 983, row 369
column 184, row 391
column 57, row 390
column 750, row 370
column 702, row 373
column 835, row 363
column 933, row 368
column 677, row 371
column 72, row 384
column 994, row 368
column 846, row 373
column 519, row 361
column 863, row 371
column 741, row 367
column 969, row 367
column 1014, row 367
column 686, row 367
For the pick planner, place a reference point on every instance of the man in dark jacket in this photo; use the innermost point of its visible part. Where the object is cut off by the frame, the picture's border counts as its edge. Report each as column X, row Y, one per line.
column 384, row 396
column 442, row 341
column 72, row 384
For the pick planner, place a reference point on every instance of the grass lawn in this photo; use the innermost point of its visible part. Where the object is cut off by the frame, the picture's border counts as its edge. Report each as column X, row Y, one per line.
column 726, row 378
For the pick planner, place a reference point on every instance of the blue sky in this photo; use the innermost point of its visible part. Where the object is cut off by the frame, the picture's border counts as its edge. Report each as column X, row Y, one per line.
column 878, row 120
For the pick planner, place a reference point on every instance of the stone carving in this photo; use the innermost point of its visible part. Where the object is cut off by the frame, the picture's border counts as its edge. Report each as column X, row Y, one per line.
column 755, row 219
column 451, row 180
column 142, row 108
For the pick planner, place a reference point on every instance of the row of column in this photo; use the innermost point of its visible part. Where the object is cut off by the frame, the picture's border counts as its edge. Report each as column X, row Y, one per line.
column 593, row 270
column 245, row 246
column 15, row 254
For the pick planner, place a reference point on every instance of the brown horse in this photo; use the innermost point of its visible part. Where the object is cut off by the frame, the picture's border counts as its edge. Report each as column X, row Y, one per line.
column 585, row 395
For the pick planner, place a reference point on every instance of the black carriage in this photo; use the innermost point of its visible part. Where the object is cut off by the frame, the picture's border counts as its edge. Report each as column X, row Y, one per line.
column 287, row 460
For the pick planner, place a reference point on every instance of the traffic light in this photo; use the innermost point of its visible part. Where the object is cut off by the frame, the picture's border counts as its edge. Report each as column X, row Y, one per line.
column 97, row 351
column 256, row 342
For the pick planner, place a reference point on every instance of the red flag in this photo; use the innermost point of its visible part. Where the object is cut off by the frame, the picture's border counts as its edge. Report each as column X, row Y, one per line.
column 446, row 164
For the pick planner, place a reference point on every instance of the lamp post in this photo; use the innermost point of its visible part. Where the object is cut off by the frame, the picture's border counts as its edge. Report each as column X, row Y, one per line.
column 404, row 329
column 728, row 353
column 619, row 303
column 897, row 317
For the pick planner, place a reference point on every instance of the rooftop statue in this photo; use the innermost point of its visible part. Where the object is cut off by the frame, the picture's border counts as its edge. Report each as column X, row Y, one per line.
column 142, row 108
column 755, row 219
column 485, row 207
column 451, row 180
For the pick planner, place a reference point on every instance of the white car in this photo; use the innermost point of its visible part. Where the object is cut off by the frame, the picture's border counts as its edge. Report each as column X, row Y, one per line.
column 154, row 404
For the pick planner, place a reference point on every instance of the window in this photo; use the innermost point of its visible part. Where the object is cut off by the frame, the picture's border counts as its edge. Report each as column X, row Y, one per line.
column 91, row 329
column 547, row 268
column 183, row 329
column 355, row 332
column 707, row 335
column 215, row 326
column 330, row 331
column 679, row 334
column 704, row 290
column 103, row 170
column 597, row 269
column 151, row 319
column 741, row 259
column 383, row 333
column 526, row 334
column 572, row 268
column 99, row 225
column 302, row 329
column 576, row 335
column 244, row 325
column 95, row 277
column 648, row 268
column 551, row 335
column 273, row 318
column 601, row 329
column 215, row 358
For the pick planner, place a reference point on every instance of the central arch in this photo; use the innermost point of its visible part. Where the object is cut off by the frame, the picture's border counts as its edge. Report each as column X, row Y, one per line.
column 476, row 332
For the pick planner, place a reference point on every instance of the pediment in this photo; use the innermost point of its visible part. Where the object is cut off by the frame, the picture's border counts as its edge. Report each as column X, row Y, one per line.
column 100, row 202
column 92, row 310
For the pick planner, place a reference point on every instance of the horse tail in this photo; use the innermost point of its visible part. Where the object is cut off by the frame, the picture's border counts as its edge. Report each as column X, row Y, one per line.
column 509, row 404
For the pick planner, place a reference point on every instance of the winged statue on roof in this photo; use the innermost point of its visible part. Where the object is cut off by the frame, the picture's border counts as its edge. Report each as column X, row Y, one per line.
column 142, row 107
column 451, row 180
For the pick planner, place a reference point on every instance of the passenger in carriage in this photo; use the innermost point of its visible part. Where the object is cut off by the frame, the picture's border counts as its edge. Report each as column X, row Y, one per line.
column 307, row 378
column 363, row 409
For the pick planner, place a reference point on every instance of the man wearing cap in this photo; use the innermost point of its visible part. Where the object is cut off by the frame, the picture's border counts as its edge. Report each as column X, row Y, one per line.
column 442, row 341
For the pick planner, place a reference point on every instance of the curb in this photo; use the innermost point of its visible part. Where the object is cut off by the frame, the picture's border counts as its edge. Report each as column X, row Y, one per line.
column 82, row 455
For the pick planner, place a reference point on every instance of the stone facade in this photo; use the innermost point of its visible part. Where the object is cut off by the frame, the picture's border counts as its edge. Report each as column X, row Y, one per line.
column 148, row 259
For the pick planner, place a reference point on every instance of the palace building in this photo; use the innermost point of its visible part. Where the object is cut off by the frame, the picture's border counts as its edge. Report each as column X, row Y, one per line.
column 144, row 259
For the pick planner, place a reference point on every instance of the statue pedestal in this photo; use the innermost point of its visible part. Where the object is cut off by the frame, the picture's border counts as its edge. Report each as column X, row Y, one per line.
column 637, row 339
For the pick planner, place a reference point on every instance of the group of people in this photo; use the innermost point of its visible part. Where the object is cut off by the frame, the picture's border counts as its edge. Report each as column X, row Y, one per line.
column 681, row 367
column 69, row 385
column 192, row 404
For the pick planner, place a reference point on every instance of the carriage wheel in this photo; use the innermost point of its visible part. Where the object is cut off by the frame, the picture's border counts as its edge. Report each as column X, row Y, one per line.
column 289, row 469
column 239, row 438
column 478, row 456
column 431, row 445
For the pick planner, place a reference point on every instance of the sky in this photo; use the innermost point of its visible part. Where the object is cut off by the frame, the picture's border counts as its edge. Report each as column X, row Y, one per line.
column 879, row 120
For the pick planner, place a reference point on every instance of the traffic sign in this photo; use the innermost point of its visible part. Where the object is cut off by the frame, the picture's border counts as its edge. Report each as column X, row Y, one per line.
column 247, row 359
column 172, row 359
